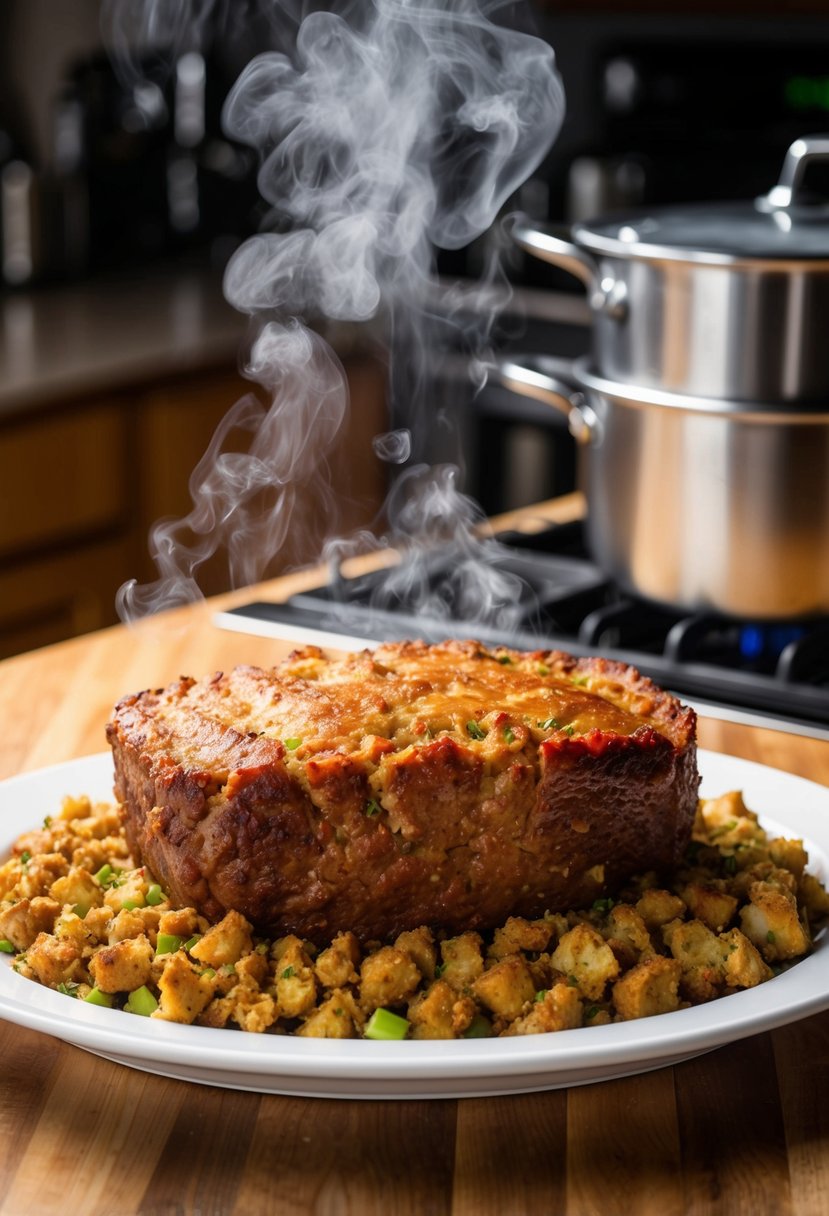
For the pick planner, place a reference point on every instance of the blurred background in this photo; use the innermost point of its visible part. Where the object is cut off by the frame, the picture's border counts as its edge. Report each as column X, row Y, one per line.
column 121, row 201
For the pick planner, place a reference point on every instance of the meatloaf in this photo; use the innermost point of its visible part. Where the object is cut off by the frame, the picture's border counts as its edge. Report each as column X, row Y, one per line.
column 449, row 785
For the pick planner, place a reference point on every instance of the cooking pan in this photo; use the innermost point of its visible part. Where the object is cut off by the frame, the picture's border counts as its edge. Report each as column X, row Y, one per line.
column 725, row 300
column 695, row 502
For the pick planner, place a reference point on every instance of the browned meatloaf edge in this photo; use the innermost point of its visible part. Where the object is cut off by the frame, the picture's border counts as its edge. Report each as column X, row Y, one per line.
column 448, row 785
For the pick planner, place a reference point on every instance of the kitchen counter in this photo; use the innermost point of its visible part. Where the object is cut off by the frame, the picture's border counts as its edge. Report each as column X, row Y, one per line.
column 740, row 1130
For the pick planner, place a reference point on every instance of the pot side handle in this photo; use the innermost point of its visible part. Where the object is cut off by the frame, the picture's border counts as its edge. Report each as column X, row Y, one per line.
column 531, row 377
column 605, row 294
column 553, row 245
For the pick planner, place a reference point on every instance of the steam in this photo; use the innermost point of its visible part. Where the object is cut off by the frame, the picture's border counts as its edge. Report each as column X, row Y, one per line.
column 402, row 128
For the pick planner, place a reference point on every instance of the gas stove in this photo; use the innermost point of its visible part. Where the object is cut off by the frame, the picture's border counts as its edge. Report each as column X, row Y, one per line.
column 765, row 673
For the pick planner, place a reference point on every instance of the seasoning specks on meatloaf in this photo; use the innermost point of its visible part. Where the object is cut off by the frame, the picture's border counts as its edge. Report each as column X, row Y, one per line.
column 447, row 785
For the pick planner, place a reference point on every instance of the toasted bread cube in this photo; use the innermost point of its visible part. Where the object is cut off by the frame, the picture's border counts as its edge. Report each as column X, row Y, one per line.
column 338, row 1017
column 181, row 922
column 78, row 889
column 251, row 1009
column 23, row 921
column 559, row 1008
column 771, row 921
column 658, row 907
column 813, row 896
column 650, row 987
column 337, row 965
column 506, row 987
column 123, row 967
column 387, row 977
column 789, row 855
column 296, row 987
column 744, row 966
column 184, row 991
column 462, row 959
column 54, row 961
column 709, row 903
column 132, row 922
column 225, row 942
column 519, row 934
column 420, row 945
column 626, row 926
column 439, row 1013
column 701, row 955
column 586, row 959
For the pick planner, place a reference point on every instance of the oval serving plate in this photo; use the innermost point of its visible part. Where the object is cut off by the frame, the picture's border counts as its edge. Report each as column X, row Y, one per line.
column 270, row 1063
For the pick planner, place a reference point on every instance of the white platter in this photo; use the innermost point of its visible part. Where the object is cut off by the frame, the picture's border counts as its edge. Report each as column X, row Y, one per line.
column 361, row 1069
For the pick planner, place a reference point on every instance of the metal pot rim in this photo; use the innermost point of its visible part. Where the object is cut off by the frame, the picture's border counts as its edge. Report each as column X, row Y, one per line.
column 738, row 411
column 639, row 250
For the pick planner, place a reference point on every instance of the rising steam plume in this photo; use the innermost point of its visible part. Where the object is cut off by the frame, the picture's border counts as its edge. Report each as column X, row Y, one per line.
column 387, row 129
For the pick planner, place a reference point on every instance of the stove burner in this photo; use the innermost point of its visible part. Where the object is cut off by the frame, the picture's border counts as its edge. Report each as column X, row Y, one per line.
column 560, row 599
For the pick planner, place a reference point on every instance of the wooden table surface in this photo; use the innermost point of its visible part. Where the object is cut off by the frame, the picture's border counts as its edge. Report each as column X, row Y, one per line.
column 744, row 1129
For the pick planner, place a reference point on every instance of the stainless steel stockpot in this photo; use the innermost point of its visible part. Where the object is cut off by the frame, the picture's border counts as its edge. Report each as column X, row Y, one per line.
column 695, row 502
column 717, row 300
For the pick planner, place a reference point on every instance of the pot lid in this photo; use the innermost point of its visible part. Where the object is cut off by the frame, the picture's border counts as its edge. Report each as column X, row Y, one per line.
column 785, row 224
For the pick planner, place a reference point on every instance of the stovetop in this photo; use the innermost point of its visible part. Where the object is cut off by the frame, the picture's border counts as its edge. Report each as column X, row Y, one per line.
column 543, row 591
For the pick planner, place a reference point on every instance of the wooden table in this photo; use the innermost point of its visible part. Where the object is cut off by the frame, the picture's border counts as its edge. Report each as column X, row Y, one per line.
column 744, row 1129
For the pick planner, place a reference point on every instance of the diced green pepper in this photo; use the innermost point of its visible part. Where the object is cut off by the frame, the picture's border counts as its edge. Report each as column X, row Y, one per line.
column 383, row 1024
column 141, row 1001
column 188, row 945
column 103, row 874
column 6, row 947
column 479, row 1028
column 292, row 744
column 96, row 997
column 130, row 904
column 155, row 895
column 167, row 943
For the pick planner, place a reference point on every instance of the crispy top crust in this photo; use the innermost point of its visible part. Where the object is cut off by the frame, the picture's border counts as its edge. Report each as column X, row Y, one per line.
column 398, row 696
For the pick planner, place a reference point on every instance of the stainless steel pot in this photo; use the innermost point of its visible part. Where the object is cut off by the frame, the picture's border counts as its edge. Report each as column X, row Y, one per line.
column 695, row 502
column 719, row 300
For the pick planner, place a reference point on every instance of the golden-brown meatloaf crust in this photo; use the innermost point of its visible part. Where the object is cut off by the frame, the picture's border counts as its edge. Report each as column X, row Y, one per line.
column 447, row 785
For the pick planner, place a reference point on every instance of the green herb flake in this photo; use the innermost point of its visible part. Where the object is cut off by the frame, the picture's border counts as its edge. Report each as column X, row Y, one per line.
column 475, row 730
column 549, row 724
column 287, row 974
column 730, row 864
column 439, row 970
column 770, row 938
column 579, row 681
column 543, row 669
column 47, row 822
column 69, row 988
column 591, row 1012
column 602, row 905
column 504, row 660
column 292, row 744
column 540, row 995
column 25, row 857
column 509, row 734
column 373, row 808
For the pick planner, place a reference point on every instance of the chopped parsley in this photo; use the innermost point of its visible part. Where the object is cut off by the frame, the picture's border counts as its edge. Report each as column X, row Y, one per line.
column 602, row 905
column 373, row 808
column 475, row 730
column 549, row 724
column 509, row 734
column 287, row 974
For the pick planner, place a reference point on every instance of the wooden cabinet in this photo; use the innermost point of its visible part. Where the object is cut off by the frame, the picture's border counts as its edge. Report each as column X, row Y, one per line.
column 82, row 483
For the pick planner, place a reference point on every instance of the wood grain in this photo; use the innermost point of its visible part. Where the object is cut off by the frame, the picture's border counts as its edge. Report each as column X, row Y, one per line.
column 743, row 1131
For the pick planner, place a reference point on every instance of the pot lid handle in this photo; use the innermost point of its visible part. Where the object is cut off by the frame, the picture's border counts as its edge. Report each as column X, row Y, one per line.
column 803, row 150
